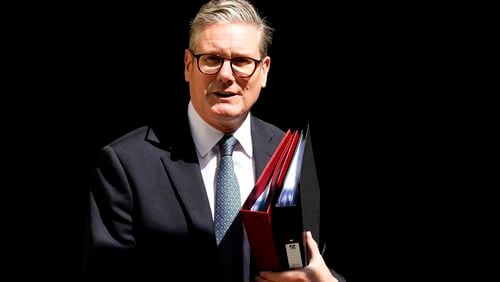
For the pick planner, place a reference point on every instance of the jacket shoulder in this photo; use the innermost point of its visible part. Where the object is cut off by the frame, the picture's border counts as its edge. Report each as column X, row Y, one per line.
column 264, row 126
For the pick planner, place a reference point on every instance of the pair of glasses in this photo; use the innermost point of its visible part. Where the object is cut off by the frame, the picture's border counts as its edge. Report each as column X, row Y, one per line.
column 243, row 67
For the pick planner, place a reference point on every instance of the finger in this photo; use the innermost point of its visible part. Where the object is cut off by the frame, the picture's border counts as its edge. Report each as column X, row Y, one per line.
column 266, row 275
column 258, row 279
column 312, row 246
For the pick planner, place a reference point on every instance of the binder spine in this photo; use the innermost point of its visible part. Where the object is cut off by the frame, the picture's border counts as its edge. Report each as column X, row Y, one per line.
column 262, row 243
column 288, row 234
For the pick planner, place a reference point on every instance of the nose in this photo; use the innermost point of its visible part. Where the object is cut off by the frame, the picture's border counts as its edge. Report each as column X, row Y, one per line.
column 225, row 72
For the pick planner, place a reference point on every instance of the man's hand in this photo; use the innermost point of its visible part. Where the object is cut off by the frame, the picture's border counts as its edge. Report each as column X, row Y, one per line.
column 315, row 271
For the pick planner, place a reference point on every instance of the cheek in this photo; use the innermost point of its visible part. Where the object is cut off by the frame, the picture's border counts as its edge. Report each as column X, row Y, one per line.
column 198, row 86
column 196, row 91
column 252, row 94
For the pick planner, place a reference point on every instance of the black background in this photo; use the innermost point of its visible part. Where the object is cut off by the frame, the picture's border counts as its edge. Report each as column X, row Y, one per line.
column 360, row 74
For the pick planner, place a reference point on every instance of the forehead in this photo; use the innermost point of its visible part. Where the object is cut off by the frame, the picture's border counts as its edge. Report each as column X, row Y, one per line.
column 233, row 38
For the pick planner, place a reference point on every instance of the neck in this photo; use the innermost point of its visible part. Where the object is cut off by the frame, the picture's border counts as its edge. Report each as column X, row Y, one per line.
column 228, row 126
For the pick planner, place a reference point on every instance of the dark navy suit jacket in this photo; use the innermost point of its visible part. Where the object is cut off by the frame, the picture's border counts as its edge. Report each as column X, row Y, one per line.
column 149, row 214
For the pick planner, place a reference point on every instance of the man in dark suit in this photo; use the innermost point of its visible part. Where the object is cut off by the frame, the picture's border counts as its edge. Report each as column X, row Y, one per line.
column 152, row 201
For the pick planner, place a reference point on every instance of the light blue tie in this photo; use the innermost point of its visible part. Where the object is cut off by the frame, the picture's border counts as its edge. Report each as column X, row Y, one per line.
column 228, row 225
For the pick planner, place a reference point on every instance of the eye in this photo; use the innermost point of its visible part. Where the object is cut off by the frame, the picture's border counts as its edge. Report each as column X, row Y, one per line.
column 241, row 61
column 212, row 60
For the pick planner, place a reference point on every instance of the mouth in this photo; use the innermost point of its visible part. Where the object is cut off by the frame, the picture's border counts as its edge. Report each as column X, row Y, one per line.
column 224, row 94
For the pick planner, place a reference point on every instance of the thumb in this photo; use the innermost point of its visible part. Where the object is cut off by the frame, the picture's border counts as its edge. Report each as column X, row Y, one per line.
column 312, row 246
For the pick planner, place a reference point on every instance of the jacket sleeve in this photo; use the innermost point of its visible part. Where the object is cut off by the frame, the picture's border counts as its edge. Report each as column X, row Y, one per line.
column 109, row 241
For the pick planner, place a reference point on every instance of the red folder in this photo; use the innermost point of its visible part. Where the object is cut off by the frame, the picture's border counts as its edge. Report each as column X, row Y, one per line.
column 275, row 234
column 258, row 223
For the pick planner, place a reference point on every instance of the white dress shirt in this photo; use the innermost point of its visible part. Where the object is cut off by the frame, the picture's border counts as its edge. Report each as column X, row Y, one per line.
column 205, row 138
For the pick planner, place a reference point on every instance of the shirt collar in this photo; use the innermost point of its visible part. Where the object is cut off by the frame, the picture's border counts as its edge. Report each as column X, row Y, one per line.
column 205, row 137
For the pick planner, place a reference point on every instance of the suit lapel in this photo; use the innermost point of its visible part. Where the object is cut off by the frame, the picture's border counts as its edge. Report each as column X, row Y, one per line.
column 264, row 144
column 187, row 181
column 183, row 169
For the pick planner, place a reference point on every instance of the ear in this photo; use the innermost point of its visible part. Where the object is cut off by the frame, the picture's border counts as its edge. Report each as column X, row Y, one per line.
column 266, row 65
column 188, row 64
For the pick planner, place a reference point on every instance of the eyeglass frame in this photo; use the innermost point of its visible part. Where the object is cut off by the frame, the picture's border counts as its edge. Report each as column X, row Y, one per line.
column 197, row 57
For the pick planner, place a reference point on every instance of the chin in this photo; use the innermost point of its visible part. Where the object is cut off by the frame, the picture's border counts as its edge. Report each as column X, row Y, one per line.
column 227, row 111
column 227, row 116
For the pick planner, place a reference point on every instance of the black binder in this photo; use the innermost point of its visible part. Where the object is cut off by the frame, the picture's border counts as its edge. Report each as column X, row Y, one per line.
column 290, row 222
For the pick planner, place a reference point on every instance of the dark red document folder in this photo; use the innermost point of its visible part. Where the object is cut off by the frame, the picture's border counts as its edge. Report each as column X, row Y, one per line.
column 276, row 231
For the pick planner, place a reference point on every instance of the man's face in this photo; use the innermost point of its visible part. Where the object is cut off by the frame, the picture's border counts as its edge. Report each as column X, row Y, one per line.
column 223, row 99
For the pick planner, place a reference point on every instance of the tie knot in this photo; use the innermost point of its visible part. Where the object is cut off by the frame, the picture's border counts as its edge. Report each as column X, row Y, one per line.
column 227, row 144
